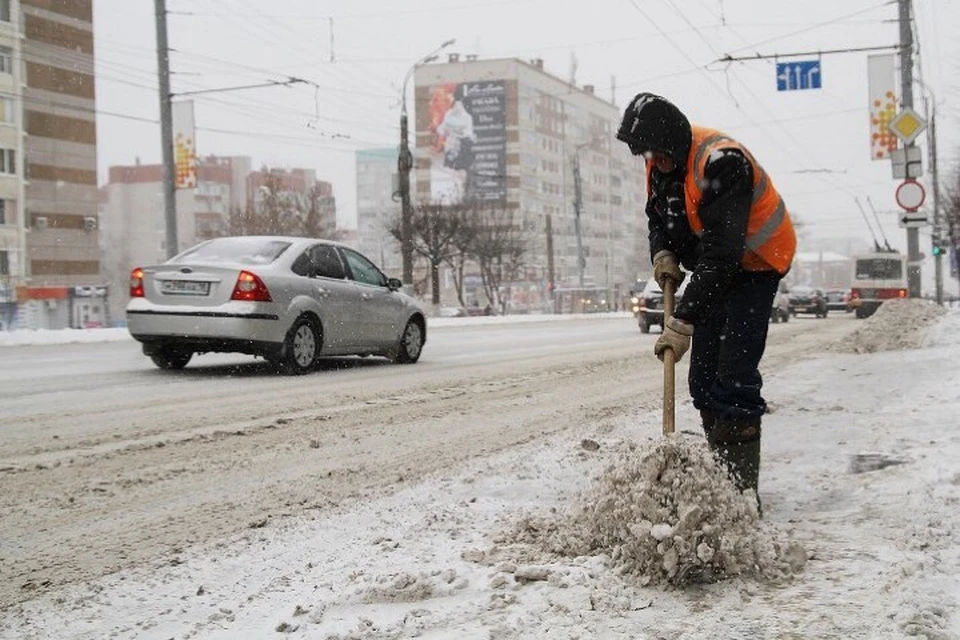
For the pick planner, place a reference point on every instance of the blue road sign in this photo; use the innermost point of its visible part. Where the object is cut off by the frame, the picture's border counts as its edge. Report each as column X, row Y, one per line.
column 803, row 74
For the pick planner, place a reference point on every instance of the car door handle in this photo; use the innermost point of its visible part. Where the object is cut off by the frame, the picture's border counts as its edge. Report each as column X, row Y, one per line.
column 365, row 296
column 323, row 292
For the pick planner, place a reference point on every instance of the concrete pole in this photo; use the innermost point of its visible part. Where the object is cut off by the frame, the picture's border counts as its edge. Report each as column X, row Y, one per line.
column 577, row 209
column 906, row 100
column 404, row 164
column 166, row 130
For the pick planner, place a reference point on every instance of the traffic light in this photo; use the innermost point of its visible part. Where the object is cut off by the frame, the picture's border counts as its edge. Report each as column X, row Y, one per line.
column 938, row 248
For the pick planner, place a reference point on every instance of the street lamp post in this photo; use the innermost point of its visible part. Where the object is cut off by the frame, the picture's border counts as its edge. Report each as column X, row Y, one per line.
column 578, row 208
column 404, row 164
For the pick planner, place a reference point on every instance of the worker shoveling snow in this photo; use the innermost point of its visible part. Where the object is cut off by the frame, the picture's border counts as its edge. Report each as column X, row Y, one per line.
column 670, row 516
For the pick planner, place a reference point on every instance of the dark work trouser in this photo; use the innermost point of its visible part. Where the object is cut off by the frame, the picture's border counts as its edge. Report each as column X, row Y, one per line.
column 727, row 347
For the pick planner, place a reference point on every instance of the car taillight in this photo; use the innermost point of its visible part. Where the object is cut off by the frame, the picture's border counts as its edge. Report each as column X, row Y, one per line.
column 251, row 288
column 136, row 283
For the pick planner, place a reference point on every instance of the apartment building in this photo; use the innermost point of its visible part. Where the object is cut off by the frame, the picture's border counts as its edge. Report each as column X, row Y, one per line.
column 49, row 263
column 377, row 209
column 13, row 233
column 507, row 133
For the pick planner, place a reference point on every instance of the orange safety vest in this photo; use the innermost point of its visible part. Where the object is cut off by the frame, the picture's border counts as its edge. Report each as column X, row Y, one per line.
column 771, row 240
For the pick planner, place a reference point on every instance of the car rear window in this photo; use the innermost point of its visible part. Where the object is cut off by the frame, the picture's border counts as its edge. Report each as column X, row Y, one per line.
column 238, row 250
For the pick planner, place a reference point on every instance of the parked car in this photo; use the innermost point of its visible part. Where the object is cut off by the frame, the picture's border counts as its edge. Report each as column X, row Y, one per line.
column 289, row 300
column 780, row 312
column 808, row 300
column 838, row 300
column 648, row 304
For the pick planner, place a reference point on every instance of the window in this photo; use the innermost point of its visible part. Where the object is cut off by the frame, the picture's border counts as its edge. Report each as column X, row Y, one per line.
column 8, row 161
column 363, row 270
column 8, row 212
column 4, row 263
column 5, row 10
column 326, row 262
column 243, row 250
column 6, row 110
column 6, row 59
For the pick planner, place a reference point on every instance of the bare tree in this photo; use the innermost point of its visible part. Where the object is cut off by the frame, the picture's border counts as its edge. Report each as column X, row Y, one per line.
column 461, row 247
column 279, row 211
column 500, row 248
column 951, row 213
column 434, row 227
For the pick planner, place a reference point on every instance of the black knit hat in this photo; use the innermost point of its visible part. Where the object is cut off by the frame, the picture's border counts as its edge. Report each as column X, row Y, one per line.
column 653, row 123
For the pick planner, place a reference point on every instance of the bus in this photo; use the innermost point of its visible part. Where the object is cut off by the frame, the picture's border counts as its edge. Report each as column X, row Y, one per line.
column 877, row 276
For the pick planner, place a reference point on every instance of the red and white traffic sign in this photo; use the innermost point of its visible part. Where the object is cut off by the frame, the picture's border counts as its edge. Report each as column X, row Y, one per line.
column 910, row 195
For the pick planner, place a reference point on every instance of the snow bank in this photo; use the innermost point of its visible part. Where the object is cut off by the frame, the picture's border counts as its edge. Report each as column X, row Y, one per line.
column 25, row 337
column 21, row 337
column 897, row 324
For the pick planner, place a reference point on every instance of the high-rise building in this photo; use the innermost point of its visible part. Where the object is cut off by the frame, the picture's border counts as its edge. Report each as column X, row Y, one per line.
column 48, row 163
column 13, row 231
column 377, row 209
column 506, row 133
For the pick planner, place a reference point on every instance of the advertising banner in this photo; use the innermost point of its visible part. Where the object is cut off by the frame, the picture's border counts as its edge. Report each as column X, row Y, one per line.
column 881, row 80
column 468, row 142
column 184, row 145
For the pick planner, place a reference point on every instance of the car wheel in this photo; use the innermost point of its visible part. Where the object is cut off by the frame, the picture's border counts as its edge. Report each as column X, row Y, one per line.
column 411, row 343
column 644, row 325
column 301, row 347
column 171, row 359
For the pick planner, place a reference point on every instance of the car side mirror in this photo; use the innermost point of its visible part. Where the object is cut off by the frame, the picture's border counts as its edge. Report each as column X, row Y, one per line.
column 394, row 284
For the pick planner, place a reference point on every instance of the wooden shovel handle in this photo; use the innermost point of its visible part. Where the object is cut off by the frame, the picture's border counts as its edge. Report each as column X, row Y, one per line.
column 669, row 364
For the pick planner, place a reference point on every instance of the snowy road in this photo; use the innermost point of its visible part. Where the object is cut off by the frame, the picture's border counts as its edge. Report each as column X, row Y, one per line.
column 108, row 463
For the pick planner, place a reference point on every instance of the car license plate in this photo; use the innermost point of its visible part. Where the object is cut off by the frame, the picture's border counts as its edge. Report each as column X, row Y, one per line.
column 185, row 287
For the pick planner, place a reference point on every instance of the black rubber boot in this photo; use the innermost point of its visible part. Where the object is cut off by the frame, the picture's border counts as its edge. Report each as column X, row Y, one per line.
column 737, row 444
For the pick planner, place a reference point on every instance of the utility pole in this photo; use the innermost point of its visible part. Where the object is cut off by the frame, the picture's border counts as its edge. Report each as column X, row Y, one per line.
column 551, row 278
column 166, row 129
column 906, row 100
column 937, row 231
column 404, row 163
column 577, row 207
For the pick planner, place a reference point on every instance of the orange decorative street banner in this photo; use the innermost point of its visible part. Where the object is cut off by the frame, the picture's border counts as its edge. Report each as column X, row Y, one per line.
column 184, row 145
column 881, row 79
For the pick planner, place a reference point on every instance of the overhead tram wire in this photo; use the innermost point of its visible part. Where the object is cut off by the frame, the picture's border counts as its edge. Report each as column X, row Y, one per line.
column 818, row 25
column 290, row 44
column 764, row 107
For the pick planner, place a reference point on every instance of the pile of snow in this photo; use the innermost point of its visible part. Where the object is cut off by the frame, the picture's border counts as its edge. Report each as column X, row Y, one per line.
column 897, row 324
column 670, row 516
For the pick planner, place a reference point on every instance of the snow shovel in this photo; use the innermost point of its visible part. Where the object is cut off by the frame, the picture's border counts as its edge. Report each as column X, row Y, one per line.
column 669, row 363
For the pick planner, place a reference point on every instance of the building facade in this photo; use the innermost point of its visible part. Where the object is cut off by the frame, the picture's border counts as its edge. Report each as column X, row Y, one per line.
column 49, row 257
column 60, row 161
column 13, row 231
column 506, row 133
column 377, row 208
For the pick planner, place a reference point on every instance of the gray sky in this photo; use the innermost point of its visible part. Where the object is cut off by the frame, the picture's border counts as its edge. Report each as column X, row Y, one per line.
column 665, row 46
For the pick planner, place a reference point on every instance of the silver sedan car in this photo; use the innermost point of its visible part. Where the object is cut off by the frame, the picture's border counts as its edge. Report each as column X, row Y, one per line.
column 290, row 300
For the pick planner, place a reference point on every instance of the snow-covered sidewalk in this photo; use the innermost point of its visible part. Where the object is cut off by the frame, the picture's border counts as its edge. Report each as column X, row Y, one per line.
column 859, row 466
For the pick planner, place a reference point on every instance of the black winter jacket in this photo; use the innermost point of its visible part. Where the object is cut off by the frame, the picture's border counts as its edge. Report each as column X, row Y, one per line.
column 714, row 257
